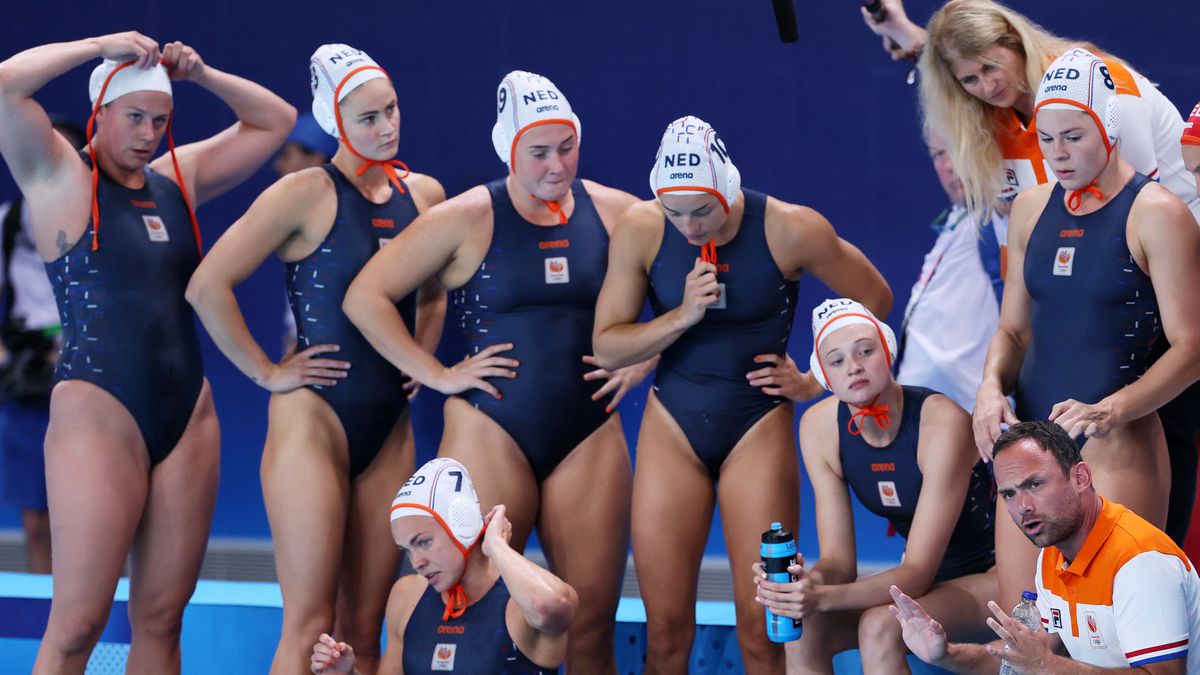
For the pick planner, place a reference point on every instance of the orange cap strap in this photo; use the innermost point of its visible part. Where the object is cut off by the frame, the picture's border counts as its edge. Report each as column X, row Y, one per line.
column 708, row 252
column 388, row 166
column 880, row 413
column 91, row 124
column 1075, row 198
column 554, row 207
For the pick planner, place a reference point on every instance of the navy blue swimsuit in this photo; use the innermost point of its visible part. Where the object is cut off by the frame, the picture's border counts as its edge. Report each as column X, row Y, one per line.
column 126, row 326
column 476, row 642
column 537, row 288
column 701, row 379
column 1094, row 315
column 370, row 399
column 888, row 481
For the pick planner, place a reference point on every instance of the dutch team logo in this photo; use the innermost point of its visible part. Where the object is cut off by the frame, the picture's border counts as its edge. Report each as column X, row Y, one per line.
column 443, row 656
column 557, row 270
column 155, row 228
column 887, row 493
column 1064, row 261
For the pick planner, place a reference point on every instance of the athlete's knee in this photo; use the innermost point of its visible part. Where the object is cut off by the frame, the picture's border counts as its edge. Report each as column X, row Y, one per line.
column 162, row 621
column 76, row 632
column 307, row 623
column 879, row 634
column 669, row 640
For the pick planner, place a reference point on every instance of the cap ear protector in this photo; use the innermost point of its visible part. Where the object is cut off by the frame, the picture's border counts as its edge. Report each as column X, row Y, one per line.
column 525, row 100
column 839, row 313
column 1080, row 80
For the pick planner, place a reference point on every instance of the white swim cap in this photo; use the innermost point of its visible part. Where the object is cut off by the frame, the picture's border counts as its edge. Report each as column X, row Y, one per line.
column 442, row 488
column 1079, row 80
column 126, row 80
column 337, row 70
column 693, row 159
column 839, row 313
column 525, row 100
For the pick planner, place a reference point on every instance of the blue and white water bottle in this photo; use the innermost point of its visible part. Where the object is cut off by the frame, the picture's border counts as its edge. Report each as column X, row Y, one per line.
column 778, row 551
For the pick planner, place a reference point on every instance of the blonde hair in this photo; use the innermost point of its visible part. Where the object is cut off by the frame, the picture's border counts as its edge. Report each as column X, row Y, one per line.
column 965, row 29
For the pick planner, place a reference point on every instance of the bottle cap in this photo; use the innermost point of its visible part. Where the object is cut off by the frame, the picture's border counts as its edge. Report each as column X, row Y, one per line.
column 776, row 526
column 1029, row 595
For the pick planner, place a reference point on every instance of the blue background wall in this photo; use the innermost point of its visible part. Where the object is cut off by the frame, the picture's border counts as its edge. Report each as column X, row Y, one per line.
column 827, row 122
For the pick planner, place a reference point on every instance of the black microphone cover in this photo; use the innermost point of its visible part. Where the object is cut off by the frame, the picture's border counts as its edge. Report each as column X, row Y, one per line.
column 785, row 18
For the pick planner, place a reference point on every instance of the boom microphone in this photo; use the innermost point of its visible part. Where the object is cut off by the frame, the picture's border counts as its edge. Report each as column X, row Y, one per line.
column 785, row 18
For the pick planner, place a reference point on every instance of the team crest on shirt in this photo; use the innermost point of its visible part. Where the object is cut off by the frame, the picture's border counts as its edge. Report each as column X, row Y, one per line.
column 1064, row 261
column 887, row 493
column 443, row 656
column 155, row 229
column 1093, row 627
column 557, row 270
column 720, row 303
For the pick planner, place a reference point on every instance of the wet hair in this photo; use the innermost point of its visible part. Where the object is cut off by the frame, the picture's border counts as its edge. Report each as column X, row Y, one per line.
column 1049, row 436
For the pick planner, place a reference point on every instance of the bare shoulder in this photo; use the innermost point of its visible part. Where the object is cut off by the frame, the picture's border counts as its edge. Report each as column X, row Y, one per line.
column 403, row 599
column 610, row 202
column 426, row 190
column 794, row 224
column 1159, row 203
column 939, row 409
column 1028, row 207
column 818, row 429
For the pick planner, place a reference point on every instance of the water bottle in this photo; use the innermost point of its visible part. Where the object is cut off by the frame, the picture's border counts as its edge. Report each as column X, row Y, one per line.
column 778, row 551
column 1026, row 613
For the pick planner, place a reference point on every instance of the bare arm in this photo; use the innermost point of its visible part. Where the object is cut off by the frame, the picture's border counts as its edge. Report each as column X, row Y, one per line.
column 431, row 246
column 541, row 605
column 618, row 339
column 220, row 162
column 1013, row 332
column 282, row 213
column 431, row 297
column 43, row 163
column 1164, row 240
column 946, row 456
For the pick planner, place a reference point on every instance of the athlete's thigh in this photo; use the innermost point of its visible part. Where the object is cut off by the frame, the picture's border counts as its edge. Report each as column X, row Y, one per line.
column 1130, row 466
column 759, row 484
column 673, row 498
column 960, row 605
column 306, row 490
column 499, row 470
column 370, row 558
column 173, row 535
column 586, row 538
column 97, row 478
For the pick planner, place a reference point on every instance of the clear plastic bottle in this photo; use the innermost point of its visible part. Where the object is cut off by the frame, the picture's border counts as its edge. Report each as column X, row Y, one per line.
column 1026, row 613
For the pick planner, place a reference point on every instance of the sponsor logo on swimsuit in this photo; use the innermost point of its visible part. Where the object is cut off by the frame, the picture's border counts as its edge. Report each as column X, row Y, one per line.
column 1068, row 234
column 1094, row 637
column 883, row 466
column 720, row 303
column 1056, row 617
column 557, row 243
column 887, row 493
column 722, row 267
column 452, row 630
column 383, row 241
column 138, row 203
column 155, row 228
column 443, row 656
column 387, row 223
column 1064, row 261
column 557, row 271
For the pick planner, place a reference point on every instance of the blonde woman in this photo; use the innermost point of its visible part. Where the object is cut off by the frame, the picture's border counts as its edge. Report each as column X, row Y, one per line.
column 980, row 65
